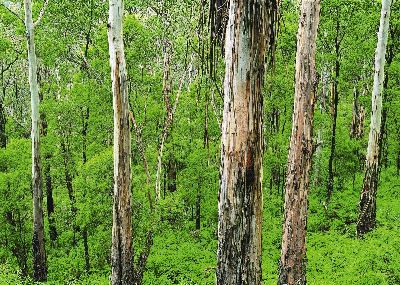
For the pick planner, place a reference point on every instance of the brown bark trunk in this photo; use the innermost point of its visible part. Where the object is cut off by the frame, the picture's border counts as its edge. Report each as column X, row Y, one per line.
column 121, row 249
column 240, row 196
column 293, row 261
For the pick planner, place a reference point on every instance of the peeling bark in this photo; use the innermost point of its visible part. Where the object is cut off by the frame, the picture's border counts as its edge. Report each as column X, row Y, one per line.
column 367, row 207
column 293, row 261
column 121, row 250
column 240, row 196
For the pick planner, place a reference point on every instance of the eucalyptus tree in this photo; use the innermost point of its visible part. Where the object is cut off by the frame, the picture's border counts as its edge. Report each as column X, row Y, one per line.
column 248, row 35
column 38, row 246
column 292, row 268
column 367, row 212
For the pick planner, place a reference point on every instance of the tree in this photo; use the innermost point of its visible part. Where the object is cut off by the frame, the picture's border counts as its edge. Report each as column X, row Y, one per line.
column 38, row 247
column 292, row 269
column 248, row 35
column 121, row 250
column 367, row 210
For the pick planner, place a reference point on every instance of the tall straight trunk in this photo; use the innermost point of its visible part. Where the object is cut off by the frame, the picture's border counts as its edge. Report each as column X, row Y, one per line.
column 357, row 123
column 240, row 196
column 121, row 250
column 292, row 269
column 38, row 247
column 367, row 210
column 50, row 202
column 3, row 121
column 334, row 108
column 85, row 119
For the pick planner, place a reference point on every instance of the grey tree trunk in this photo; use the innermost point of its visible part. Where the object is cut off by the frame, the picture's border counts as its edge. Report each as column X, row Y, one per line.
column 121, row 250
column 293, row 261
column 367, row 210
column 240, row 196
column 38, row 247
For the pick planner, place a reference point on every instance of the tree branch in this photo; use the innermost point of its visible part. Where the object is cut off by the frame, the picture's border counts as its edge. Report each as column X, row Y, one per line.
column 41, row 13
column 12, row 12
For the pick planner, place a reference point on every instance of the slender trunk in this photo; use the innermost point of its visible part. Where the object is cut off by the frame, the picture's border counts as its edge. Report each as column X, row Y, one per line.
column 367, row 210
column 171, row 172
column 198, row 207
column 293, row 261
column 85, row 123
column 86, row 249
column 240, row 196
column 335, row 102
column 68, row 182
column 38, row 247
column 166, row 129
column 140, row 146
column 121, row 250
column 357, row 123
column 168, row 120
column 3, row 119
column 50, row 202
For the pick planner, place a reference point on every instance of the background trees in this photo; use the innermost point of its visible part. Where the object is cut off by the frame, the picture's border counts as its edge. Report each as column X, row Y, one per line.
column 74, row 80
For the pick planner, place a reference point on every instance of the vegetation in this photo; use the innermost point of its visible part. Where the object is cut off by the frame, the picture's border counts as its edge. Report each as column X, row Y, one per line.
column 175, row 75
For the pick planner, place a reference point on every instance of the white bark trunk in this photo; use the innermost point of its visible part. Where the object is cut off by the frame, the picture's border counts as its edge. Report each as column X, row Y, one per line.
column 39, row 253
column 367, row 215
column 240, row 196
column 121, row 251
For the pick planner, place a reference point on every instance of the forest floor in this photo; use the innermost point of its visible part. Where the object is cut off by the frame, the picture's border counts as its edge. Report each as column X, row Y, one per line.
column 181, row 255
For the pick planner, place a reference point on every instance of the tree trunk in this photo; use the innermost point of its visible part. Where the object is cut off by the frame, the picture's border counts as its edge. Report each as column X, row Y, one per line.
column 292, row 269
column 50, row 202
column 38, row 247
column 357, row 123
column 240, row 196
column 85, row 123
column 3, row 135
column 121, row 250
column 367, row 210
column 334, row 112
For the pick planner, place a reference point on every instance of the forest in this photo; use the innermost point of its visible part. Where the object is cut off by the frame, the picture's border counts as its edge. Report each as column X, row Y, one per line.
column 228, row 142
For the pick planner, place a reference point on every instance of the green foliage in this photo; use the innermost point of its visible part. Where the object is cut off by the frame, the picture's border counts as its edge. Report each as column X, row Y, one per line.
column 77, row 122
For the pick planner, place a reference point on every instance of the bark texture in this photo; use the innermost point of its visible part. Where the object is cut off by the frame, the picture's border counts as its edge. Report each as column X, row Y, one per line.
column 38, row 247
column 367, row 210
column 293, row 261
column 121, row 250
column 357, row 123
column 240, row 196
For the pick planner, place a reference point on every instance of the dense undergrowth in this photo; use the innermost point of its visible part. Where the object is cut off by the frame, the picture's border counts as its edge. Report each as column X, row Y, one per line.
column 182, row 255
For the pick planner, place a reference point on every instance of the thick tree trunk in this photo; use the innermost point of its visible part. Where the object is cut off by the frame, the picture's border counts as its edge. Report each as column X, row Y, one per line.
column 121, row 250
column 240, row 196
column 367, row 211
column 39, row 253
column 292, row 269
